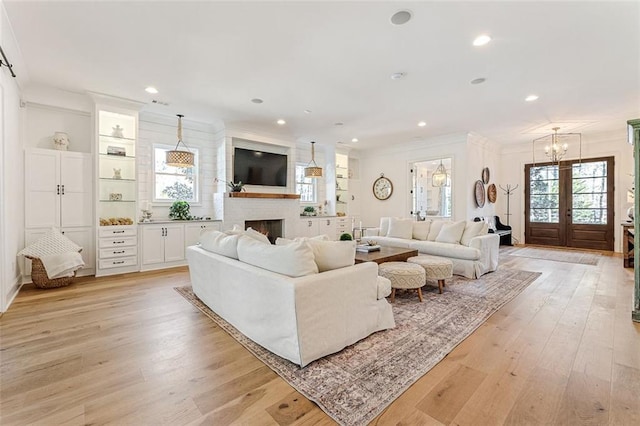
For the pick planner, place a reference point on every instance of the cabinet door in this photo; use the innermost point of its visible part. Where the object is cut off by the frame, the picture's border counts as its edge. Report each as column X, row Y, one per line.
column 193, row 231
column 174, row 243
column 327, row 226
column 42, row 202
column 307, row 228
column 84, row 238
column 152, row 244
column 76, row 188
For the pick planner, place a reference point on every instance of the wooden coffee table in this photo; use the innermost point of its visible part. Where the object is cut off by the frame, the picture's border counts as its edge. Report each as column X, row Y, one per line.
column 386, row 254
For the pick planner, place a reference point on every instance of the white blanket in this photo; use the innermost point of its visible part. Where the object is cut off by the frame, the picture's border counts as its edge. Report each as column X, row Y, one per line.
column 62, row 265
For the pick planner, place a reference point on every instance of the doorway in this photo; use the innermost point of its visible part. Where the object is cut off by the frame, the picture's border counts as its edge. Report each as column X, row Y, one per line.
column 570, row 203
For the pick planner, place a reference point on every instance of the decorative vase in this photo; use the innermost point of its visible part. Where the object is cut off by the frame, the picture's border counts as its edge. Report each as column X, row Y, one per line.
column 60, row 141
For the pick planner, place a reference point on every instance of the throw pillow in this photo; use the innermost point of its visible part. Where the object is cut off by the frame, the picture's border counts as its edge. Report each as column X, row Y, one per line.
column 421, row 230
column 384, row 226
column 434, row 229
column 400, row 228
column 485, row 229
column 330, row 255
column 281, row 240
column 250, row 232
column 471, row 229
column 53, row 242
column 220, row 243
column 293, row 260
column 451, row 232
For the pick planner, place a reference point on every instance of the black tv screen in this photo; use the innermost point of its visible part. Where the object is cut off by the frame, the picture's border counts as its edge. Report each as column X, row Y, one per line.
column 259, row 168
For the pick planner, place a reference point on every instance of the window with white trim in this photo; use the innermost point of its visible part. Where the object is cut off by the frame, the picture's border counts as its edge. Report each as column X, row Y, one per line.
column 306, row 187
column 174, row 183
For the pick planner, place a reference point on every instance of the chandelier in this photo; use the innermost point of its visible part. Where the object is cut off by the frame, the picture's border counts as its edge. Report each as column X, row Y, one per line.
column 557, row 144
column 312, row 170
column 177, row 157
column 440, row 178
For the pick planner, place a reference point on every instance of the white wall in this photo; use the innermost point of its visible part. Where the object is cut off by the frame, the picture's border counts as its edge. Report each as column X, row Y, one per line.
column 11, row 169
column 514, row 158
column 481, row 153
column 42, row 121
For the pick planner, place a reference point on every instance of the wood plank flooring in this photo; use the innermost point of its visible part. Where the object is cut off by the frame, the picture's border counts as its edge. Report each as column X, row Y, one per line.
column 130, row 350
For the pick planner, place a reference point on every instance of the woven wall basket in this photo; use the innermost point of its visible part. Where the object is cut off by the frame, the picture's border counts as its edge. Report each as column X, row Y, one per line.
column 41, row 280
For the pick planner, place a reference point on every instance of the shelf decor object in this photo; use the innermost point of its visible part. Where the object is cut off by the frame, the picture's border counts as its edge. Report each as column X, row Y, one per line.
column 479, row 193
column 313, row 170
column 178, row 157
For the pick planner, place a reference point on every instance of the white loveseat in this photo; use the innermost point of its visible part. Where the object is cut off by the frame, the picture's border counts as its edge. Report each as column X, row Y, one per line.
column 301, row 317
column 473, row 251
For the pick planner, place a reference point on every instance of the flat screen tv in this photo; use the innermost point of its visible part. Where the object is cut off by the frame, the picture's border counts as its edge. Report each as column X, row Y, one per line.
column 259, row 168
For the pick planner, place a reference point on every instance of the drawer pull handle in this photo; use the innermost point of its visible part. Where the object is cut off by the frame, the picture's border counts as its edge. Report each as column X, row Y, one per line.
column 119, row 242
column 118, row 252
column 118, row 262
column 119, row 232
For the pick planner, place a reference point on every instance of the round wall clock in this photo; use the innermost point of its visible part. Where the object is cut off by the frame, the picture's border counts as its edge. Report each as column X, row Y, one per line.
column 382, row 187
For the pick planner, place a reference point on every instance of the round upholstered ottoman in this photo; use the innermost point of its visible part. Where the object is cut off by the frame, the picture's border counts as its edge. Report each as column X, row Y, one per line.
column 435, row 268
column 403, row 275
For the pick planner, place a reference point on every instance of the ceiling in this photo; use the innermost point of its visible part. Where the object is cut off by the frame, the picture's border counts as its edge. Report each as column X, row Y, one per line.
column 335, row 59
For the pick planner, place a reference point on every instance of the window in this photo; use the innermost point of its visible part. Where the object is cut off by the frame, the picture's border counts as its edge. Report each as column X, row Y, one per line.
column 306, row 187
column 173, row 183
column 589, row 185
column 545, row 194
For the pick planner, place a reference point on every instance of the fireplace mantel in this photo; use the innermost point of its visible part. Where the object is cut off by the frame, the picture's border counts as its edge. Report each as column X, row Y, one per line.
column 263, row 195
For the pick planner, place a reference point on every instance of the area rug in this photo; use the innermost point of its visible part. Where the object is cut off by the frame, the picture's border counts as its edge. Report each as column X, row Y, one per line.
column 356, row 384
column 557, row 255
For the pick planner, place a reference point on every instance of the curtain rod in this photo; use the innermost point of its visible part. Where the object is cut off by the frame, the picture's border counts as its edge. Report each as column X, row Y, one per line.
column 4, row 61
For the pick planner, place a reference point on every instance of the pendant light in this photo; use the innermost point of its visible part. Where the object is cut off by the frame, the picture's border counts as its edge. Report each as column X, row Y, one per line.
column 177, row 157
column 312, row 170
column 440, row 177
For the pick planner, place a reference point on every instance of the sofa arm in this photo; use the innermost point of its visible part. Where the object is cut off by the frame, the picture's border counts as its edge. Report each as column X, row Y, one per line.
column 489, row 247
column 371, row 232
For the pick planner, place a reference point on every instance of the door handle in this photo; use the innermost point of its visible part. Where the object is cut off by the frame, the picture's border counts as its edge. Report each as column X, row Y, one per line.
column 62, row 189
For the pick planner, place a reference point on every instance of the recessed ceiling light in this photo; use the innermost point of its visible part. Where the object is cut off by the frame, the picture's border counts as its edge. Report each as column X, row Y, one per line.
column 151, row 90
column 307, row 111
column 281, row 122
column 397, row 75
column 478, row 80
column 339, row 123
column 401, row 17
column 422, row 123
column 481, row 40
column 531, row 98
column 257, row 100
column 354, row 140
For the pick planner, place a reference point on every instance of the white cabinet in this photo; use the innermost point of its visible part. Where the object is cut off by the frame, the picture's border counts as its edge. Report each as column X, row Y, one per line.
column 59, row 193
column 307, row 228
column 327, row 226
column 193, row 231
column 343, row 225
column 342, row 183
column 313, row 226
column 162, row 245
column 117, row 249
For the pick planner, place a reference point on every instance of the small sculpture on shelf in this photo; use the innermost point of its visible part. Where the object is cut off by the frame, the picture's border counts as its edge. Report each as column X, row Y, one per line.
column 116, row 132
column 60, row 141
column 117, row 173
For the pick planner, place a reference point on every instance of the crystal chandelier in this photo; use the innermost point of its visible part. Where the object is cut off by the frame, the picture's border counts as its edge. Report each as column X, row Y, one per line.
column 555, row 151
column 177, row 157
column 440, row 178
column 557, row 144
column 312, row 170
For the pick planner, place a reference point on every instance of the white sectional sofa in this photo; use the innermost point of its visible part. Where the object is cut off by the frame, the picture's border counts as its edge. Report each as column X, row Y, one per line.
column 473, row 251
column 276, row 296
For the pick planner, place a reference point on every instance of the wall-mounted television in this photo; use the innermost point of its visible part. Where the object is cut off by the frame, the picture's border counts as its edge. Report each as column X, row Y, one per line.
column 253, row 167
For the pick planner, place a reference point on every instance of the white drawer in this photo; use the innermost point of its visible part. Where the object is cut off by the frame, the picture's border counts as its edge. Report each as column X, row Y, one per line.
column 118, row 252
column 107, row 231
column 117, row 242
column 118, row 262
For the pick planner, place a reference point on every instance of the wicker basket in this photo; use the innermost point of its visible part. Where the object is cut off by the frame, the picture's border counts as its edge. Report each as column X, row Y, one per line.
column 41, row 280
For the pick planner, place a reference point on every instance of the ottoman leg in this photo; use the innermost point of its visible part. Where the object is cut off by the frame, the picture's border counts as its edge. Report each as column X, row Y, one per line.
column 420, row 294
column 393, row 295
column 440, row 285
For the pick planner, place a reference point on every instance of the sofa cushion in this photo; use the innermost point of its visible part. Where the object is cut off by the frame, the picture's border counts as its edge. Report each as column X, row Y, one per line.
column 451, row 232
column 389, row 241
column 471, row 229
column 400, row 228
column 421, row 230
column 330, row 255
column 258, row 236
column 384, row 226
column 384, row 287
column 294, row 260
column 434, row 229
column 452, row 251
column 220, row 243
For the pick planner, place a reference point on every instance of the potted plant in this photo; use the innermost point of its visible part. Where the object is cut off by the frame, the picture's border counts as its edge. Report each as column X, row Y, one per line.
column 309, row 211
column 346, row 237
column 233, row 186
column 179, row 210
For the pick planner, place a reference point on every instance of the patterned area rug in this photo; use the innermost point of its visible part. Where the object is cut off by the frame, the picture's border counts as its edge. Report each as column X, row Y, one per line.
column 557, row 255
column 359, row 382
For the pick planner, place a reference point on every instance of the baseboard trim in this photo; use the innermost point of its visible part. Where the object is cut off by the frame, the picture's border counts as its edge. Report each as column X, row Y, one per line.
column 15, row 289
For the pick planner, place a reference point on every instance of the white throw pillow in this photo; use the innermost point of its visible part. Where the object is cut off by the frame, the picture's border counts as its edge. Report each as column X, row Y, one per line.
column 384, row 226
column 250, row 232
column 282, row 241
column 51, row 243
column 330, row 255
column 293, row 260
column 400, row 228
column 485, row 229
column 471, row 229
column 421, row 230
column 434, row 229
column 220, row 243
column 451, row 232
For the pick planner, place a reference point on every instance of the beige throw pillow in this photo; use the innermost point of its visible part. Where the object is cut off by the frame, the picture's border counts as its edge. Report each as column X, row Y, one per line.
column 471, row 230
column 421, row 230
column 400, row 228
column 330, row 255
column 220, row 243
column 451, row 232
column 384, row 226
column 293, row 260
column 434, row 229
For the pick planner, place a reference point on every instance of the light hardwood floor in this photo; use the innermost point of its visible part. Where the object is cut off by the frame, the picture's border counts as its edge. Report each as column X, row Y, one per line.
column 130, row 350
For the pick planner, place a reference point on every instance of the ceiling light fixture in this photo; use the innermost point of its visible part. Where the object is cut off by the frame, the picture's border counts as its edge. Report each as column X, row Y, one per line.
column 478, row 80
column 422, row 123
column 557, row 144
column 281, row 122
column 397, row 75
column 531, row 98
column 312, row 170
column 151, row 90
column 440, row 178
column 481, row 40
column 177, row 157
column 257, row 100
column 339, row 123
column 401, row 17
column 354, row 140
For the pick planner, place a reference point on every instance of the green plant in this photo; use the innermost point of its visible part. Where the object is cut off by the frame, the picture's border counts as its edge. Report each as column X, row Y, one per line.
column 346, row 237
column 179, row 210
column 233, row 186
column 309, row 211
